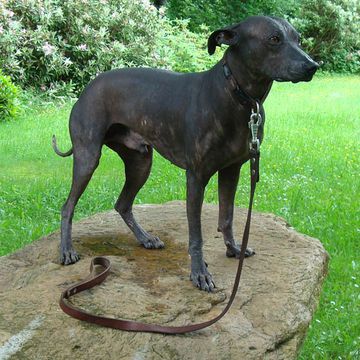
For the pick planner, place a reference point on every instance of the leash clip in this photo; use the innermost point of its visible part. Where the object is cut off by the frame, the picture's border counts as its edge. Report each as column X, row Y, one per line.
column 254, row 124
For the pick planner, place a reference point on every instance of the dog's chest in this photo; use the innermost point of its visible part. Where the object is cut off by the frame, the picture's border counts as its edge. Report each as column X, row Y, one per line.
column 221, row 146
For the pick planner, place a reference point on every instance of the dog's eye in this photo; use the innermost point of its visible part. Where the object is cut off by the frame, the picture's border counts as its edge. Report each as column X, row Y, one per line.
column 275, row 39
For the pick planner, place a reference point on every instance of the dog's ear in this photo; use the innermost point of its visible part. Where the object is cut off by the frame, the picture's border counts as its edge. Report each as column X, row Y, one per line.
column 223, row 36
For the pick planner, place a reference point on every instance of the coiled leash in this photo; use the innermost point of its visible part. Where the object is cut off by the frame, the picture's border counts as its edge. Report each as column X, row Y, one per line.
column 128, row 325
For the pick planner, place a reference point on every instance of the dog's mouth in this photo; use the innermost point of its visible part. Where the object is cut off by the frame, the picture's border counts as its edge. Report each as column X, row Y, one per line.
column 296, row 75
column 295, row 78
column 304, row 79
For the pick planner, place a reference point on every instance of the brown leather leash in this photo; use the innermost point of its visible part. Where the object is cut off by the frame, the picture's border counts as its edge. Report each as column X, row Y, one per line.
column 128, row 325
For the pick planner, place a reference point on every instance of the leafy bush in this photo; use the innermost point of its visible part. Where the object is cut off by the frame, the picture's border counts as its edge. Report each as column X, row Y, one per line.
column 49, row 43
column 330, row 28
column 182, row 50
column 58, row 46
column 219, row 13
column 8, row 98
column 331, row 32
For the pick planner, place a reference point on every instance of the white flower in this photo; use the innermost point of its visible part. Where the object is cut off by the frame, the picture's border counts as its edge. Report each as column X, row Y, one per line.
column 146, row 3
column 9, row 13
column 1, row 29
column 67, row 62
column 82, row 47
column 48, row 49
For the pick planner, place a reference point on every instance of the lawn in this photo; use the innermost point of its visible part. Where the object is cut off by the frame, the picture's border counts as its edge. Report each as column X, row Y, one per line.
column 309, row 175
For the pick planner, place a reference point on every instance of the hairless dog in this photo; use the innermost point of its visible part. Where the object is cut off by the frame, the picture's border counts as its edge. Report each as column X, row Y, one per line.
column 198, row 121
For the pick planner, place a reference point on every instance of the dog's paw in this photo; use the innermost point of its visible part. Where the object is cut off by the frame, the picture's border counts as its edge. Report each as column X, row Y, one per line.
column 234, row 251
column 68, row 257
column 152, row 242
column 202, row 279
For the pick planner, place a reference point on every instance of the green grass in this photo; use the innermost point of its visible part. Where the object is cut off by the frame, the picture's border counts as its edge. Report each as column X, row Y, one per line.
column 309, row 175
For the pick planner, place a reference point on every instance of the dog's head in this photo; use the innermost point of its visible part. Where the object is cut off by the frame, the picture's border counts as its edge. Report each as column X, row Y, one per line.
column 267, row 46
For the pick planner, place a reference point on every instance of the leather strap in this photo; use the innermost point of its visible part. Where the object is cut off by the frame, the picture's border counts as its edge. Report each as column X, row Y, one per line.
column 243, row 97
column 128, row 325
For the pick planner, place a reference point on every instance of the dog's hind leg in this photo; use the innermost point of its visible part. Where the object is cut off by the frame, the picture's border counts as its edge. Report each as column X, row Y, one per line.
column 228, row 179
column 85, row 163
column 137, row 170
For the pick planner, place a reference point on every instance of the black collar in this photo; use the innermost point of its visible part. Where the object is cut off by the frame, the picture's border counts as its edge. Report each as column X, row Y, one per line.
column 243, row 97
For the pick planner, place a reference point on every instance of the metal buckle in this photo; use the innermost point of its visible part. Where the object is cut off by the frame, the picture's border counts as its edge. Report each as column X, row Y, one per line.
column 254, row 124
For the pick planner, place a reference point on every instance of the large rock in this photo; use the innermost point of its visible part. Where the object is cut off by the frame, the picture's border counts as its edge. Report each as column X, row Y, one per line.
column 278, row 293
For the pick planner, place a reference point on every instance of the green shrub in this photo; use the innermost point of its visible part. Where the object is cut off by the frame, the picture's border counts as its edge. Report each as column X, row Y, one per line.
column 8, row 98
column 330, row 28
column 182, row 50
column 331, row 32
column 48, row 43
column 218, row 13
column 57, row 46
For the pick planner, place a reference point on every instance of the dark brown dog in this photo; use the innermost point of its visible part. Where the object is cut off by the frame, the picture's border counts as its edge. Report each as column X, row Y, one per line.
column 197, row 121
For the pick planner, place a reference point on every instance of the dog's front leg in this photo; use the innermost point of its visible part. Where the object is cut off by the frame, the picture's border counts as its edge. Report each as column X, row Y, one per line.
column 200, row 275
column 228, row 179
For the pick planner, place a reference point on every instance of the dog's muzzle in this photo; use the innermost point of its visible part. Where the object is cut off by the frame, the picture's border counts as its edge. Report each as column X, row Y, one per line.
column 307, row 73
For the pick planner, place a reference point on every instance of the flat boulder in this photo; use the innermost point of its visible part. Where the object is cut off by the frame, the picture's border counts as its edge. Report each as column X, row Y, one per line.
column 278, row 294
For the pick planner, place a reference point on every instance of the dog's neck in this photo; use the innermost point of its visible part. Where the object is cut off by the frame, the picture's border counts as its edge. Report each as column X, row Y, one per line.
column 254, row 85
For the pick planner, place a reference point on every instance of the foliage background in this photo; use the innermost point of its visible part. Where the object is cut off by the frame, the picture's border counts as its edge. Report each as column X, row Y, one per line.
column 58, row 46
column 9, row 104
column 50, row 44
column 330, row 29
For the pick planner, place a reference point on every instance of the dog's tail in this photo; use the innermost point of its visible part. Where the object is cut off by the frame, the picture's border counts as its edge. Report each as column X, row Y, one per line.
column 68, row 153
